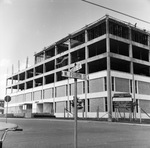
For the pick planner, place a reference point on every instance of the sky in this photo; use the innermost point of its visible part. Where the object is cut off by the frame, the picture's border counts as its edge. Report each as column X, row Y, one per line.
column 27, row 26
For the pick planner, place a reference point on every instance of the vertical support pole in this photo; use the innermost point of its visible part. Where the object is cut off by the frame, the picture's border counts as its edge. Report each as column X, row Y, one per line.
column 109, row 98
column 97, row 112
column 55, row 79
column 117, row 114
column 64, row 113
column 6, row 111
column 132, row 70
column 83, row 112
column 18, row 65
column 130, row 115
column 27, row 62
column 75, row 113
column 140, row 115
column 68, row 84
column 124, row 114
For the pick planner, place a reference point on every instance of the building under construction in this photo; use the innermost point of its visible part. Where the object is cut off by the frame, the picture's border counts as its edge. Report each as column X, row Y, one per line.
column 114, row 54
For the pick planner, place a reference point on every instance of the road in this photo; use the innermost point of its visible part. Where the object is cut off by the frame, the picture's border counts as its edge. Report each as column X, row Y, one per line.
column 54, row 133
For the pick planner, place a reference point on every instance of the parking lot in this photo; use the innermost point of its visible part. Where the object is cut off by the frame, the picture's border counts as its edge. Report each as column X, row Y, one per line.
column 55, row 133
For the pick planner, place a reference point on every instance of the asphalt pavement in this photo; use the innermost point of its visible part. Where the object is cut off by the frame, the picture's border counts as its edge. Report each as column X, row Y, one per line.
column 54, row 133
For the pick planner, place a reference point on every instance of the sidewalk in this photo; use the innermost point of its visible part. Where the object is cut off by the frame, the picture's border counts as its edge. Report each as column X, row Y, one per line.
column 4, row 126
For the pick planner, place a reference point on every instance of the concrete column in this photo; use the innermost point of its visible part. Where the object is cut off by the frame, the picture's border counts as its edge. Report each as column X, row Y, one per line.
column 86, row 72
column 33, row 77
column 68, row 86
column 109, row 89
column 149, row 50
column 132, row 68
column 54, row 81
column 18, row 84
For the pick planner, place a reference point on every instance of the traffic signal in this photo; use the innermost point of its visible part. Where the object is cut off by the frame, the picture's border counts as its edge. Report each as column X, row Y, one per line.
column 79, row 103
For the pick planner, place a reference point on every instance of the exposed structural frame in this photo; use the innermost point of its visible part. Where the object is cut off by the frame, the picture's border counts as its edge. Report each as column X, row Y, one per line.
column 115, row 56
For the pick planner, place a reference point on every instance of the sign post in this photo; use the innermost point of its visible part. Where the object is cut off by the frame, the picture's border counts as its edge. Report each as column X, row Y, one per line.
column 7, row 99
column 75, row 75
column 75, row 114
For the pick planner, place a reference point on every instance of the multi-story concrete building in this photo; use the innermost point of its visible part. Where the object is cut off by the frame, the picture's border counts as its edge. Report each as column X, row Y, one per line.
column 114, row 54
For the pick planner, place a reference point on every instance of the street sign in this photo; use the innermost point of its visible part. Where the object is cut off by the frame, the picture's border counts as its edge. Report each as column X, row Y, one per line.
column 7, row 98
column 74, row 75
column 76, row 67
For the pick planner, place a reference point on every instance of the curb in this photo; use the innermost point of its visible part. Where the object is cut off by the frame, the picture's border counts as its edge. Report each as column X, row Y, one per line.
column 4, row 126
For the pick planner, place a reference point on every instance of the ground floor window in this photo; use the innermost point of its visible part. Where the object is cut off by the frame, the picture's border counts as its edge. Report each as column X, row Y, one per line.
column 106, row 108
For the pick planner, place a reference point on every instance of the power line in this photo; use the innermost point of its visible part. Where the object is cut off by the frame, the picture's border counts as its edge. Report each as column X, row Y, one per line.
column 116, row 11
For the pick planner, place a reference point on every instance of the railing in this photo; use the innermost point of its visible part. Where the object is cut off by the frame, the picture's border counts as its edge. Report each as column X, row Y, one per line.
column 145, row 112
column 69, row 113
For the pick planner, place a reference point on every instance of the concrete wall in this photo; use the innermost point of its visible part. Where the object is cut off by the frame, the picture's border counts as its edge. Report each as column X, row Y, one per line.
column 39, row 108
column 48, row 93
column 61, row 91
column 48, row 108
column 60, row 106
column 72, row 89
column 95, row 103
column 122, row 85
column 28, row 96
column 37, row 95
column 13, row 100
column 96, row 85
column 20, row 98
column 144, row 88
column 80, row 88
column 14, row 109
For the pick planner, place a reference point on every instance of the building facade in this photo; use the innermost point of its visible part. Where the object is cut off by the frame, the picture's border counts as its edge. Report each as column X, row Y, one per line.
column 1, row 106
column 116, row 57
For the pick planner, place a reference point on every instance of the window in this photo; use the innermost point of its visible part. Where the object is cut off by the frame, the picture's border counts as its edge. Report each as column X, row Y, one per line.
column 88, row 100
column 112, row 83
column 105, row 83
column 106, row 109
column 97, row 48
column 131, row 86
column 55, row 91
column 78, row 55
column 139, row 37
column 136, row 87
column 97, row 31
column 69, row 89
column 118, row 29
